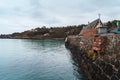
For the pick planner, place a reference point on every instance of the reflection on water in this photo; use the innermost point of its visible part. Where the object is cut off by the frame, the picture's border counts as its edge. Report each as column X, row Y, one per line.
column 36, row 60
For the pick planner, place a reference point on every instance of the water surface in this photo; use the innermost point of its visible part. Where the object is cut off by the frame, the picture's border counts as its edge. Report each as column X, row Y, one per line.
column 36, row 60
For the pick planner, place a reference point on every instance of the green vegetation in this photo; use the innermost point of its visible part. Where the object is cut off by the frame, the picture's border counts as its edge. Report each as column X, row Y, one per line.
column 113, row 24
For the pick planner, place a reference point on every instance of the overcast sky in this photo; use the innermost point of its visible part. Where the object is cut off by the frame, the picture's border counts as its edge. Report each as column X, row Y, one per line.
column 21, row 15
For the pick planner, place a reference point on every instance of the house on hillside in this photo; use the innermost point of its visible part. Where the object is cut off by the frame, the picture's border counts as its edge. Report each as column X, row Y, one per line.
column 95, row 27
column 97, row 32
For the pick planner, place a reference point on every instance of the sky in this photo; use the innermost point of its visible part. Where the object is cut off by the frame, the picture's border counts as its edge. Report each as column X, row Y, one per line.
column 21, row 15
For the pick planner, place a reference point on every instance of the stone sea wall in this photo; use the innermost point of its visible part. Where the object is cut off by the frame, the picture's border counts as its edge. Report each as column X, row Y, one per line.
column 104, row 67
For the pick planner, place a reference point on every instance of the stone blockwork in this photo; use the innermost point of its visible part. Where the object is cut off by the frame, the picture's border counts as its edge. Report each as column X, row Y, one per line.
column 105, row 67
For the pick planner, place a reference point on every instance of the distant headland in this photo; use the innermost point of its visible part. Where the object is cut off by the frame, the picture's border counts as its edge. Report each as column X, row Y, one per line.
column 45, row 33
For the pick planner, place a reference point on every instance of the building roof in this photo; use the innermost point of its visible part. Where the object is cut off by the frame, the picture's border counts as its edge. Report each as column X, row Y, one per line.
column 91, row 25
column 83, row 29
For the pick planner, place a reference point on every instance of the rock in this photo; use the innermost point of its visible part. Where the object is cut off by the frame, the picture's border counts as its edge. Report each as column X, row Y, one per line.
column 106, row 66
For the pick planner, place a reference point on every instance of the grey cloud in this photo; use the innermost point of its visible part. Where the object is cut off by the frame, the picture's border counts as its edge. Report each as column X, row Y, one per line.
column 56, row 12
column 106, row 3
column 36, row 10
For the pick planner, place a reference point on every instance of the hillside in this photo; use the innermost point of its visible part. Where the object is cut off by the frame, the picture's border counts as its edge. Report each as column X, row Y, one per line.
column 53, row 32
column 50, row 33
column 46, row 33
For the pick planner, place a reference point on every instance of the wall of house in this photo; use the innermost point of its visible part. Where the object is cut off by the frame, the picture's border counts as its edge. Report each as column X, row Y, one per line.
column 98, row 25
column 102, row 30
column 89, row 32
column 104, row 67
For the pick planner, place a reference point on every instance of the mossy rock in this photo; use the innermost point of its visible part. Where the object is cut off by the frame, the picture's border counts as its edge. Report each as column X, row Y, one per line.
column 91, row 54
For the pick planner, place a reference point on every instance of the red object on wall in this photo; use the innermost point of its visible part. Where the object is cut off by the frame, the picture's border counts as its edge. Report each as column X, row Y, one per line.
column 97, row 43
column 90, row 32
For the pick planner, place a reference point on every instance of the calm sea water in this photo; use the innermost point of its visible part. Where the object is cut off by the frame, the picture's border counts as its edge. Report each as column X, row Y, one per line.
column 36, row 60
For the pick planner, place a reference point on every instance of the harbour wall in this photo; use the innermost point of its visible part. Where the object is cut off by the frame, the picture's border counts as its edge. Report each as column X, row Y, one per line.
column 105, row 65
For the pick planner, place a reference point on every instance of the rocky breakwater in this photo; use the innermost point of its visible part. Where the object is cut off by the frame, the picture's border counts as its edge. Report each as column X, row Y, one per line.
column 101, row 65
